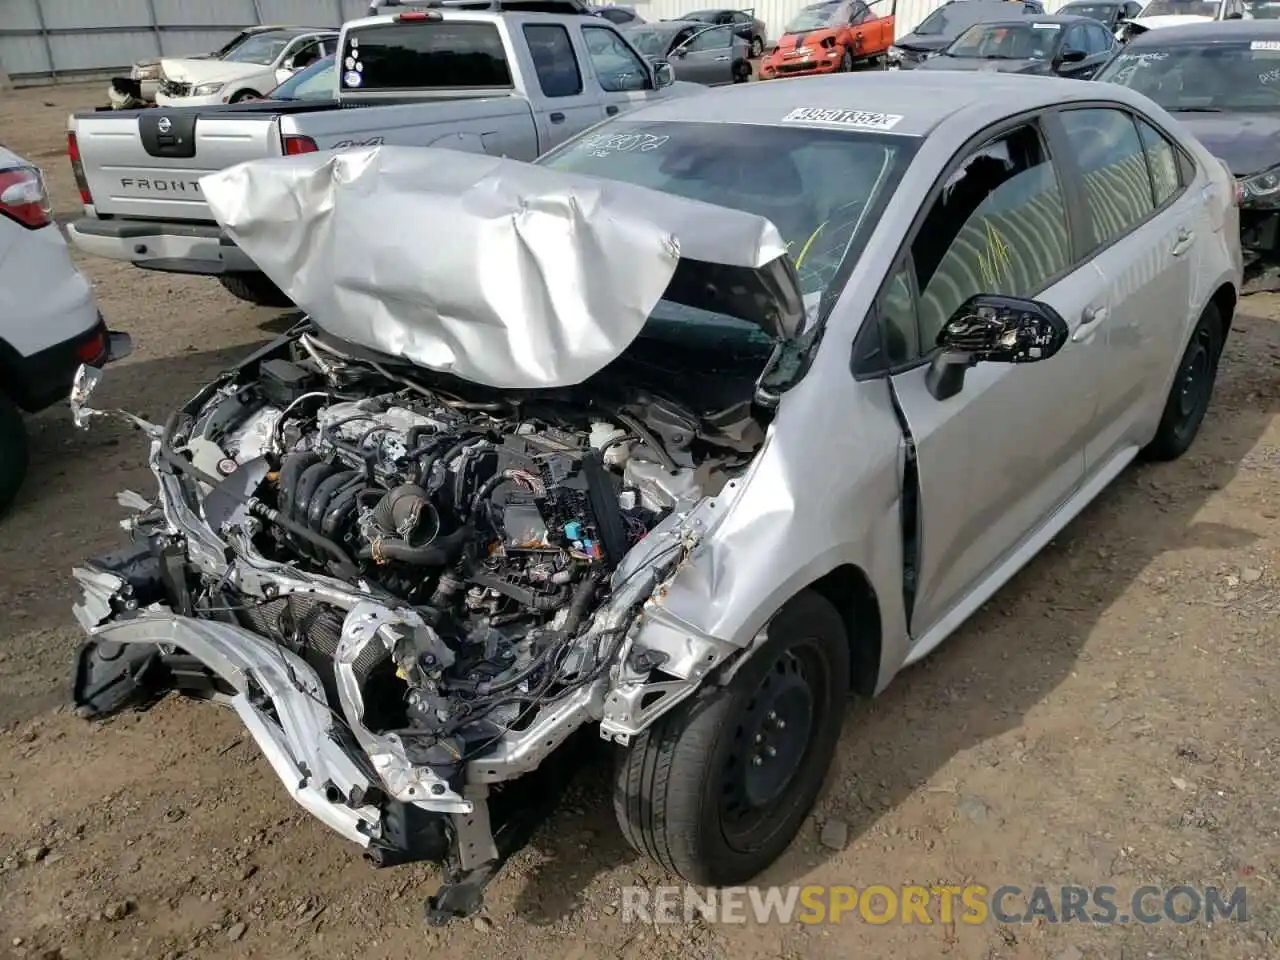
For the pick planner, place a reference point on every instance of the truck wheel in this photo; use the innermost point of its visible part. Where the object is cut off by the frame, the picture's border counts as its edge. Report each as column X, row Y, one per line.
column 715, row 790
column 1192, row 389
column 13, row 452
column 255, row 288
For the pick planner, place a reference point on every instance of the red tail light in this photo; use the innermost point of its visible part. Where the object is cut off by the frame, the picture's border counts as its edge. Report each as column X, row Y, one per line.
column 23, row 197
column 417, row 16
column 295, row 144
column 94, row 350
column 77, row 169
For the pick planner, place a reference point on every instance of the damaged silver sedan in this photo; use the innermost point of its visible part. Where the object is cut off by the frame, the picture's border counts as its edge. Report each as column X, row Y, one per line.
column 716, row 413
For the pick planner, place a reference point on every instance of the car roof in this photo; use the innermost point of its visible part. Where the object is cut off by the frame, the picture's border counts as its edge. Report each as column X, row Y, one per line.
column 1092, row 3
column 922, row 99
column 666, row 26
column 1210, row 31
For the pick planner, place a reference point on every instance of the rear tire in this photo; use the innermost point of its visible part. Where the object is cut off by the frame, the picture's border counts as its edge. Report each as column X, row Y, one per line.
column 757, row 48
column 13, row 452
column 255, row 288
column 717, row 789
column 1192, row 389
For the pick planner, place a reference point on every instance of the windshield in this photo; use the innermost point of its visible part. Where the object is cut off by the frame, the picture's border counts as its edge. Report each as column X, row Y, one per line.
column 316, row 82
column 814, row 18
column 822, row 189
column 1007, row 41
column 231, row 44
column 1265, row 10
column 652, row 42
column 1095, row 11
column 261, row 49
column 1215, row 76
column 699, row 15
column 950, row 20
column 1182, row 8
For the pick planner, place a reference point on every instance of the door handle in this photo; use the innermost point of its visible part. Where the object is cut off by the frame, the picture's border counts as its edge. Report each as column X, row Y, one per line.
column 611, row 109
column 1184, row 241
column 1090, row 320
column 557, row 118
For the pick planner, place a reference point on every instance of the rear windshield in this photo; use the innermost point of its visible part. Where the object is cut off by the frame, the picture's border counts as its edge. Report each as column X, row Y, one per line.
column 1096, row 11
column 424, row 56
column 1007, row 41
column 1206, row 77
column 948, row 21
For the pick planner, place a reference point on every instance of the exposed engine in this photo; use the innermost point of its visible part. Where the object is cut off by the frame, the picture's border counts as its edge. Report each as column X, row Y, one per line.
column 498, row 520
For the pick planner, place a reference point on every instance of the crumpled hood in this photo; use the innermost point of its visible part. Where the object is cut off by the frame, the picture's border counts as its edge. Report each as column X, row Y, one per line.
column 498, row 271
column 1248, row 142
column 981, row 65
column 190, row 70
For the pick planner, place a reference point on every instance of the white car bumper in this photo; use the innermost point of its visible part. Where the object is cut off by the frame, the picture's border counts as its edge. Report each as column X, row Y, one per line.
column 164, row 100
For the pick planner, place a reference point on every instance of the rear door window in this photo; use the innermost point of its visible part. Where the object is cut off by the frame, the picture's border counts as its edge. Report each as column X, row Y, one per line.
column 554, row 59
column 425, row 56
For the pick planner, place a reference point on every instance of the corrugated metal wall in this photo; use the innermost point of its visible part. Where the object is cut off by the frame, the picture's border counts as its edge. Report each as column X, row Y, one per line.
column 64, row 39
column 67, row 39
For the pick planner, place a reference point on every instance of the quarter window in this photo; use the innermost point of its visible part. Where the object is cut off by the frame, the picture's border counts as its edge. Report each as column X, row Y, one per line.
column 553, row 59
column 998, row 227
column 396, row 56
column 1162, row 159
column 616, row 65
column 1114, row 166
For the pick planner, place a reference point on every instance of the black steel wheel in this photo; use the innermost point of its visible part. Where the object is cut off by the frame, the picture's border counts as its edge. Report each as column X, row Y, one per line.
column 1192, row 389
column 717, row 789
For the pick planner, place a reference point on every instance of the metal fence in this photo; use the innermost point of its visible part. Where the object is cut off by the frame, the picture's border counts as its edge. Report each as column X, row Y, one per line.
column 43, row 40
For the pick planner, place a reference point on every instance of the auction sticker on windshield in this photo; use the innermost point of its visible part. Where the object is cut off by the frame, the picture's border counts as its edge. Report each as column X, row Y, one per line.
column 862, row 119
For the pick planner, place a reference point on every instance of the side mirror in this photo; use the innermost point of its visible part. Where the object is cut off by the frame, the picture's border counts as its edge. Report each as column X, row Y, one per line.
column 1234, row 16
column 1072, row 56
column 288, row 64
column 993, row 329
column 664, row 75
column 679, row 52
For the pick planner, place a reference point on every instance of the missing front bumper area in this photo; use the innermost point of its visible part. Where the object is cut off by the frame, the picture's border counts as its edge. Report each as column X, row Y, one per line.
column 139, row 650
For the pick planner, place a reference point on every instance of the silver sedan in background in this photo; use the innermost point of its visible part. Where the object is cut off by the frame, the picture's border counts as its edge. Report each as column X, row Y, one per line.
column 853, row 349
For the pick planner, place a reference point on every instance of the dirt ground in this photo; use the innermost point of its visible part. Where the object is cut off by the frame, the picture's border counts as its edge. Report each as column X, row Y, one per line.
column 1110, row 718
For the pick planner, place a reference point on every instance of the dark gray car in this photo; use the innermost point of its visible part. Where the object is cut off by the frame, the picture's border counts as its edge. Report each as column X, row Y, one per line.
column 941, row 27
column 1075, row 47
column 748, row 26
column 1222, row 80
column 698, row 53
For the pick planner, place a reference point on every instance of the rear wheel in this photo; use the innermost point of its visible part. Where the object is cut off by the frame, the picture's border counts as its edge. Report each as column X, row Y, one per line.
column 13, row 452
column 715, row 790
column 757, row 47
column 255, row 288
column 1192, row 389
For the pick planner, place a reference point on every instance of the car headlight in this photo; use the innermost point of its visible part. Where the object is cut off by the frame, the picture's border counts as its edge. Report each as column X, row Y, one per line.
column 1262, row 189
column 149, row 72
column 207, row 89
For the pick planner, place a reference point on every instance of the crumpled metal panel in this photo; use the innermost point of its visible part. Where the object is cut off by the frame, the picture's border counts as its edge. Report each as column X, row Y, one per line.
column 497, row 271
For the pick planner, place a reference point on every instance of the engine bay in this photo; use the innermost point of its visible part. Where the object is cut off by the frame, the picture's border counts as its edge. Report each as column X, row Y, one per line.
column 498, row 516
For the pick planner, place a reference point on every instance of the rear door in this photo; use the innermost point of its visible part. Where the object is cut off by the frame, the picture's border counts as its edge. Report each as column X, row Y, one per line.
column 707, row 56
column 997, row 459
column 570, row 105
column 1145, row 249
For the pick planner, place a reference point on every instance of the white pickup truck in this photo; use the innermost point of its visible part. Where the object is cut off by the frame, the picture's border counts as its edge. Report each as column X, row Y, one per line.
column 496, row 80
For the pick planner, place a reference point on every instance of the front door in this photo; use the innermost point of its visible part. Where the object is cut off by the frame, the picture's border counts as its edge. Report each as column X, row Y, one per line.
column 624, row 79
column 706, row 57
column 571, row 105
column 998, row 458
column 1139, row 227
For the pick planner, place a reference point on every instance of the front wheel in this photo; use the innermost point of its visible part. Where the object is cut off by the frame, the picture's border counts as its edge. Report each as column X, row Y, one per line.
column 757, row 48
column 242, row 95
column 1188, row 399
column 13, row 452
column 715, row 790
column 846, row 62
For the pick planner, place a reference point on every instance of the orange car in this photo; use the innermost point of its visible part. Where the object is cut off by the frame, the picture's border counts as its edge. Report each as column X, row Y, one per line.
column 830, row 37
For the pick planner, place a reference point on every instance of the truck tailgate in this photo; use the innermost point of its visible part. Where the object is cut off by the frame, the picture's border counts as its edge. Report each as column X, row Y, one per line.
column 148, row 164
